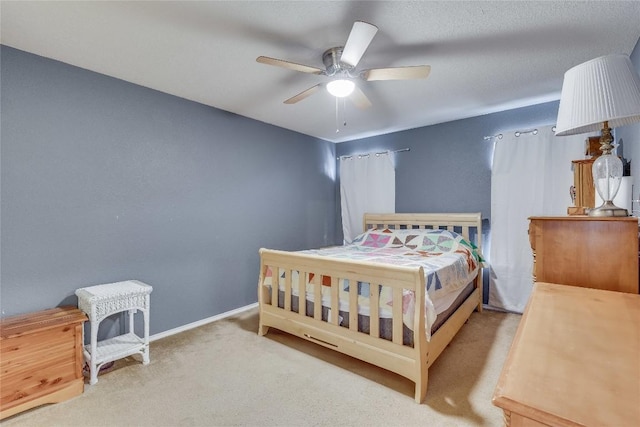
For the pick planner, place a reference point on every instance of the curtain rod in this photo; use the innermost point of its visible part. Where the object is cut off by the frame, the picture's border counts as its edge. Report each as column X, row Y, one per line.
column 523, row 132
column 516, row 133
column 401, row 150
column 497, row 136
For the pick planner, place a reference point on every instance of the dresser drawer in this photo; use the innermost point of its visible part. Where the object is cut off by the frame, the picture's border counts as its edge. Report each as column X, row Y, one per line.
column 590, row 252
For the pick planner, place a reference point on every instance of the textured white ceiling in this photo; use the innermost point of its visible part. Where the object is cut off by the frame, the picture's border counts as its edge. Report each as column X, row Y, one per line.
column 484, row 56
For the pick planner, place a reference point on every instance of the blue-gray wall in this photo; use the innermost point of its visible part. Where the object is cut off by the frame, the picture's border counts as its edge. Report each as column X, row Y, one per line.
column 103, row 180
column 630, row 137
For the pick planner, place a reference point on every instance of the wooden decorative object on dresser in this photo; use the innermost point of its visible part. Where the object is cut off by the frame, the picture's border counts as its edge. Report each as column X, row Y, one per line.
column 591, row 252
column 574, row 360
column 41, row 359
column 583, row 183
column 585, row 191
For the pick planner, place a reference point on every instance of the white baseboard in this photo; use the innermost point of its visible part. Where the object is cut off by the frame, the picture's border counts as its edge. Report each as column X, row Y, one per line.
column 201, row 322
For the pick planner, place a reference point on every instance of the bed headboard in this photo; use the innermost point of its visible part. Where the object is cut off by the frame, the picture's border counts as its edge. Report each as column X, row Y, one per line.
column 469, row 225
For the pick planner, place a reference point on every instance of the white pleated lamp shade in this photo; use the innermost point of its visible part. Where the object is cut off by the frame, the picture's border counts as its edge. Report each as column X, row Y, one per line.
column 604, row 89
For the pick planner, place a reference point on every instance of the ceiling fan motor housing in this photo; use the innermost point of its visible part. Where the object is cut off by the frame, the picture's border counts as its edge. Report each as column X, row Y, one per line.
column 331, row 59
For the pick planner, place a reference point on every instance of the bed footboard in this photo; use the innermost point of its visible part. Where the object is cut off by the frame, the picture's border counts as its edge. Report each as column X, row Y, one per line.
column 304, row 274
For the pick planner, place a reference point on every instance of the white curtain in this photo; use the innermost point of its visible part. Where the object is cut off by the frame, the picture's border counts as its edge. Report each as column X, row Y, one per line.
column 367, row 185
column 530, row 176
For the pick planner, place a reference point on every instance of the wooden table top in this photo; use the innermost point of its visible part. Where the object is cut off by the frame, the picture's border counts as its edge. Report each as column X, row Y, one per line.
column 631, row 219
column 575, row 359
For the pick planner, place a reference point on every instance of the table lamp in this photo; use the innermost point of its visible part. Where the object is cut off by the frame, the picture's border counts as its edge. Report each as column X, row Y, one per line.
column 601, row 94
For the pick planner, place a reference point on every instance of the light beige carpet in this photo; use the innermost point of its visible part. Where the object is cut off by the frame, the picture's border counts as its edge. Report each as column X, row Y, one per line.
column 224, row 374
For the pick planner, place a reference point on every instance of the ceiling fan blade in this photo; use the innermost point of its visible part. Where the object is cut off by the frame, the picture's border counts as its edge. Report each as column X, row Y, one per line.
column 359, row 39
column 359, row 98
column 290, row 65
column 304, row 94
column 397, row 73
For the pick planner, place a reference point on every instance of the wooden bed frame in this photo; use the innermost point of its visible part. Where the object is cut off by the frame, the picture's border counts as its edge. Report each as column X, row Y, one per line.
column 410, row 362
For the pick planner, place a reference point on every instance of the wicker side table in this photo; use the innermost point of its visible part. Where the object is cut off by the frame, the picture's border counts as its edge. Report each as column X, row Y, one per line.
column 100, row 302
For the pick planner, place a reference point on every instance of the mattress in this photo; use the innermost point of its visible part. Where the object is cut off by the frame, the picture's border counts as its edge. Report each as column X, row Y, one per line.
column 449, row 262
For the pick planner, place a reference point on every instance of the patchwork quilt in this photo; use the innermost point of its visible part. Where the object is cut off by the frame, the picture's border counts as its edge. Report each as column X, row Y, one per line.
column 449, row 261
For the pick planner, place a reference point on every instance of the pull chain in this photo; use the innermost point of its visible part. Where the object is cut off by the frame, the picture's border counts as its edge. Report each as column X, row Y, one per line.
column 337, row 125
column 344, row 114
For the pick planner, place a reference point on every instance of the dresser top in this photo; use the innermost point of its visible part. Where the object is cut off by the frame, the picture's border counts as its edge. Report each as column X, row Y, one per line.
column 574, row 359
column 585, row 218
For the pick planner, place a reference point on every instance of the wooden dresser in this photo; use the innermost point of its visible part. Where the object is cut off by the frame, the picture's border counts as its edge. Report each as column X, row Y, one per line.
column 600, row 253
column 41, row 359
column 573, row 360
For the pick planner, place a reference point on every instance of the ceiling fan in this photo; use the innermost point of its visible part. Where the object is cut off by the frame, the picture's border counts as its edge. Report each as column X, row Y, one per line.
column 340, row 64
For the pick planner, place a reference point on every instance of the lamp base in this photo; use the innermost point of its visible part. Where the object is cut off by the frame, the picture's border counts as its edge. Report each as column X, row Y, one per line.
column 608, row 209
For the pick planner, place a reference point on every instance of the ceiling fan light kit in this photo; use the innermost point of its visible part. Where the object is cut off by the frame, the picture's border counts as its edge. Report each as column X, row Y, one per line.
column 340, row 88
column 340, row 63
